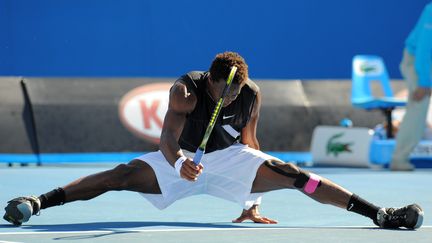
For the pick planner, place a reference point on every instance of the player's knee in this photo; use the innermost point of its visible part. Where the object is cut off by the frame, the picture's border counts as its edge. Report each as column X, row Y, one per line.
column 120, row 176
column 290, row 168
column 302, row 180
column 286, row 169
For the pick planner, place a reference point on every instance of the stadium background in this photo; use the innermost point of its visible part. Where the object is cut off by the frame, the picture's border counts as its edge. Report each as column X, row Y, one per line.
column 66, row 65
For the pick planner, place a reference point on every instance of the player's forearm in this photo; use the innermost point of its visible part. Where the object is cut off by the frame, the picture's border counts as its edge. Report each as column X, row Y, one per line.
column 251, row 142
column 255, row 145
column 170, row 148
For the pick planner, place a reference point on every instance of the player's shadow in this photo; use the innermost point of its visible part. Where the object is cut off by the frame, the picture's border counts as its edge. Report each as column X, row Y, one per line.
column 95, row 226
column 103, row 229
column 136, row 226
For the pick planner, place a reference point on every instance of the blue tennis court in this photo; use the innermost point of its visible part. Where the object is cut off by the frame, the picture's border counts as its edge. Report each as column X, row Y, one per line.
column 126, row 216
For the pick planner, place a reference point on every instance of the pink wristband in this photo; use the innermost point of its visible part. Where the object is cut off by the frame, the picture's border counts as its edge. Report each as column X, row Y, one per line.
column 312, row 183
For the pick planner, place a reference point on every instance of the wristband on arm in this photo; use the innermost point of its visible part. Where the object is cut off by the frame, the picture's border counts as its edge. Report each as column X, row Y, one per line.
column 178, row 164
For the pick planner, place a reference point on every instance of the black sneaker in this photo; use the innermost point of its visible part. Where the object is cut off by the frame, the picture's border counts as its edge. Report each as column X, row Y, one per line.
column 410, row 217
column 20, row 209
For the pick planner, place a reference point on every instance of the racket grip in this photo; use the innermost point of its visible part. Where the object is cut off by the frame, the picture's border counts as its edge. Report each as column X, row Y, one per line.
column 198, row 155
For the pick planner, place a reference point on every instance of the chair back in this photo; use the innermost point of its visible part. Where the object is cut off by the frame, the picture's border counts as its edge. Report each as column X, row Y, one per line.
column 368, row 71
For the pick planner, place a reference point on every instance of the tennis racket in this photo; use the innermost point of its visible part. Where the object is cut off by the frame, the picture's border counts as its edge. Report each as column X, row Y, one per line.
column 201, row 149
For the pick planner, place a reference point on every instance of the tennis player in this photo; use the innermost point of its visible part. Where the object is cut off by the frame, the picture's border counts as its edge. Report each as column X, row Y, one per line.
column 233, row 167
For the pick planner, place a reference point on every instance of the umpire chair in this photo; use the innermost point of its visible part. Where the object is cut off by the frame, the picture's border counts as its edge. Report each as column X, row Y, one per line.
column 368, row 72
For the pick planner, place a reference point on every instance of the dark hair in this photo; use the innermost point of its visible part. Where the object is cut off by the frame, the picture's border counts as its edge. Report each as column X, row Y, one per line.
column 221, row 67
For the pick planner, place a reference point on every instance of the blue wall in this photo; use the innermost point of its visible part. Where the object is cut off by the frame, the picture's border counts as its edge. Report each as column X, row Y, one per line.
column 278, row 38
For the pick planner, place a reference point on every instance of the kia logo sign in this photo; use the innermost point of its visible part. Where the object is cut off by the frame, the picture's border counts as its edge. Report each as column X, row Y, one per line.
column 143, row 109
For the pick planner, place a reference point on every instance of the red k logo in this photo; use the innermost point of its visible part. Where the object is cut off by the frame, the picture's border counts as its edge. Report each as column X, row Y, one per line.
column 143, row 109
column 149, row 114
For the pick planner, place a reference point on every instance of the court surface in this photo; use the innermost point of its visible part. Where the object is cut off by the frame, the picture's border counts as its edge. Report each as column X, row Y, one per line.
column 127, row 217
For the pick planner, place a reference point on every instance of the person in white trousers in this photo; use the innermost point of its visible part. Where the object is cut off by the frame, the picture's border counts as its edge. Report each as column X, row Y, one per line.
column 416, row 69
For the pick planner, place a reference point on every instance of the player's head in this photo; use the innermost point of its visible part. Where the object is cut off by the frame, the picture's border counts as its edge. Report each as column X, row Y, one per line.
column 219, row 72
column 222, row 64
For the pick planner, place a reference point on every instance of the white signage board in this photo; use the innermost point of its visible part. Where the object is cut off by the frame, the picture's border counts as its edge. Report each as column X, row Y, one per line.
column 341, row 146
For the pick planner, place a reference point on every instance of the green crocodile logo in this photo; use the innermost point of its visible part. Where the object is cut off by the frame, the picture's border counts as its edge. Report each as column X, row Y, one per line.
column 364, row 67
column 334, row 147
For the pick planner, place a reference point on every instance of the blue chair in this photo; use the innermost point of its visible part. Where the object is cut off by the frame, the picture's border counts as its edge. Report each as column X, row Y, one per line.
column 366, row 70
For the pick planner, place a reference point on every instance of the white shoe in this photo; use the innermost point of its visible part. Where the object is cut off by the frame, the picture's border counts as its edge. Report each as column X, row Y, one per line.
column 402, row 166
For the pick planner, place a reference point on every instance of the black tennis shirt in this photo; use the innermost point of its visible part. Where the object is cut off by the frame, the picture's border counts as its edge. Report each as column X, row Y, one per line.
column 232, row 118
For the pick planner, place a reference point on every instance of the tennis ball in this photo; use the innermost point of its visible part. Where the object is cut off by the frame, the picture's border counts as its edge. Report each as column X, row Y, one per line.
column 346, row 122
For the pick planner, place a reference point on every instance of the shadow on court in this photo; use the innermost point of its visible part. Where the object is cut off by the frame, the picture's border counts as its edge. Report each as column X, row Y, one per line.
column 123, row 225
column 130, row 226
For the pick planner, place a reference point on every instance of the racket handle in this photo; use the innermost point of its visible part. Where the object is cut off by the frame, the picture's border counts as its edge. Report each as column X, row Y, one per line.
column 198, row 155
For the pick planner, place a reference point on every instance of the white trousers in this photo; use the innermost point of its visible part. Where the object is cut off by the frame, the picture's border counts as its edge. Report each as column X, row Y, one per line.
column 227, row 174
column 414, row 122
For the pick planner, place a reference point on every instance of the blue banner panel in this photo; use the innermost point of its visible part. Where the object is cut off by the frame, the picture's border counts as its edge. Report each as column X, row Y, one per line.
column 280, row 39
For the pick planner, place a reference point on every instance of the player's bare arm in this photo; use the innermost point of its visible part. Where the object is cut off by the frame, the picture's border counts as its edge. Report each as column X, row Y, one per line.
column 249, row 138
column 248, row 134
column 181, row 102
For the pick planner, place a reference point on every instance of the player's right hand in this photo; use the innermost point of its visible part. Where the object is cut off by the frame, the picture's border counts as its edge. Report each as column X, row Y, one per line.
column 190, row 171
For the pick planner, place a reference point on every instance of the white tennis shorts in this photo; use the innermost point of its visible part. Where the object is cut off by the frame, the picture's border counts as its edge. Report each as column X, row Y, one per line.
column 227, row 174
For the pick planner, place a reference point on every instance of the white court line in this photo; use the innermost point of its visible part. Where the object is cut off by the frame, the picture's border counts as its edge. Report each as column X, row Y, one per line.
column 2, row 241
column 189, row 229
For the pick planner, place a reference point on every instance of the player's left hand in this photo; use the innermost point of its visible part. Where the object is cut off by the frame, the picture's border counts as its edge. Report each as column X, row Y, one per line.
column 253, row 215
column 420, row 93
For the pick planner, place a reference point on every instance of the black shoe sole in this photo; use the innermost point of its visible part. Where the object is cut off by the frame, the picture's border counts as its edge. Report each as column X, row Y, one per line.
column 10, row 220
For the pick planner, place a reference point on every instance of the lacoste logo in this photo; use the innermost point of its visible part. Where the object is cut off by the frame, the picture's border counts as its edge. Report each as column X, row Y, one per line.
column 367, row 68
column 226, row 117
column 335, row 148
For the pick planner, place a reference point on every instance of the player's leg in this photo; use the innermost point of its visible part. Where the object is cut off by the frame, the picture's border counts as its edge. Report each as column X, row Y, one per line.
column 274, row 175
column 135, row 176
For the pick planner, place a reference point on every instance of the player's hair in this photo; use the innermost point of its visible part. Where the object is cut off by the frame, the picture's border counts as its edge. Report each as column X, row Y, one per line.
column 221, row 67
